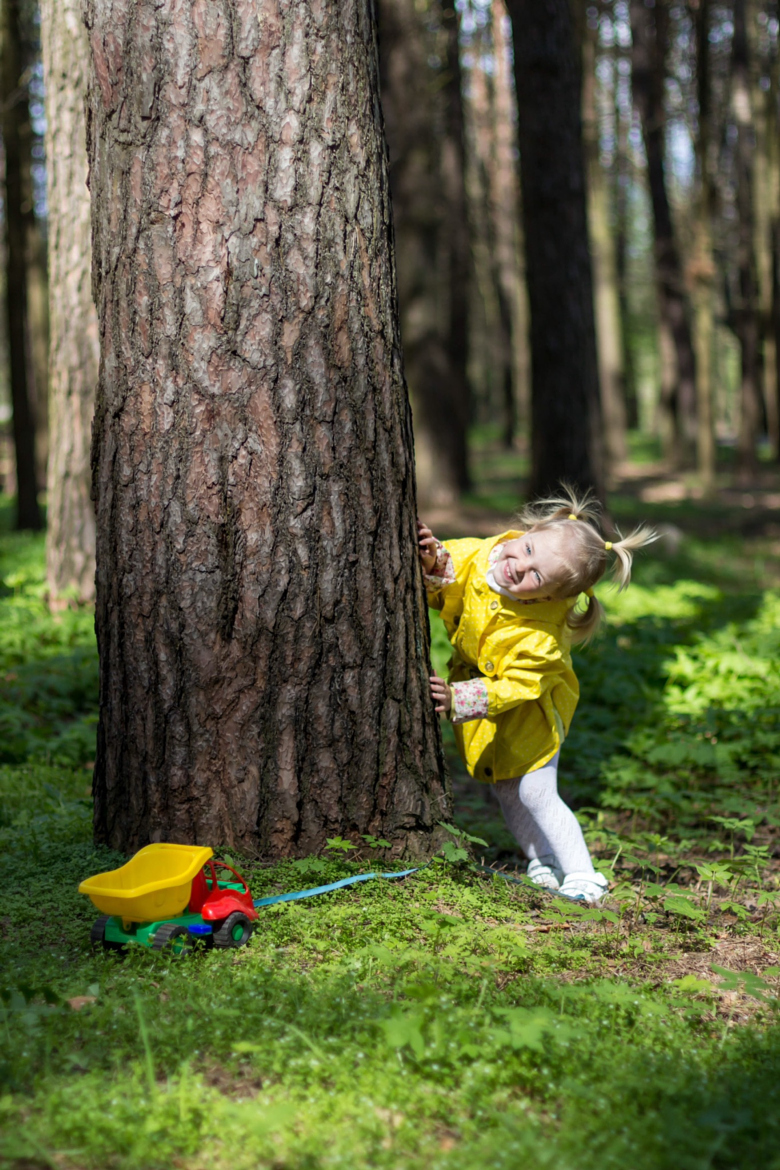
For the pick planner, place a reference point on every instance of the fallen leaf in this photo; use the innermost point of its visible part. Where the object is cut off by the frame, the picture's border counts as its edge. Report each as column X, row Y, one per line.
column 80, row 1001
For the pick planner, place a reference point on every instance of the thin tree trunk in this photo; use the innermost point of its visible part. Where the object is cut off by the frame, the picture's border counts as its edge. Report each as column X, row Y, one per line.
column 649, row 33
column 607, row 303
column 15, row 127
column 703, row 267
column 623, row 180
column 745, row 310
column 490, row 343
column 566, row 418
column 508, row 248
column 424, row 134
column 764, row 109
column 260, row 613
column 773, row 328
column 458, row 253
column 74, row 346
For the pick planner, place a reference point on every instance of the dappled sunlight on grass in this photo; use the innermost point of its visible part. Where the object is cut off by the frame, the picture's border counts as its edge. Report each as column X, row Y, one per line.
column 450, row 1020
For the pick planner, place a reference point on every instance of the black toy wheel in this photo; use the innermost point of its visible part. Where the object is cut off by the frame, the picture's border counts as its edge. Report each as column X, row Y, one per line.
column 235, row 931
column 174, row 940
column 97, row 936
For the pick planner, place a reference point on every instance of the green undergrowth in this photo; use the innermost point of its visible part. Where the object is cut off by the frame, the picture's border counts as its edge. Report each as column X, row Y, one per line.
column 452, row 1019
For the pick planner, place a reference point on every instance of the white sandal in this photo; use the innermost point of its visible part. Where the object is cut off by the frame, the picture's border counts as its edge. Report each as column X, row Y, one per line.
column 543, row 871
column 584, row 887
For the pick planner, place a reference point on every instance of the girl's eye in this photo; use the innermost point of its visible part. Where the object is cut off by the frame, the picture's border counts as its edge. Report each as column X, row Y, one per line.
column 538, row 578
column 528, row 549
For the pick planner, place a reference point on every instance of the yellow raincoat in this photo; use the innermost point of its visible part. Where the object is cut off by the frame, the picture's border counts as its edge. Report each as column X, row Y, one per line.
column 522, row 651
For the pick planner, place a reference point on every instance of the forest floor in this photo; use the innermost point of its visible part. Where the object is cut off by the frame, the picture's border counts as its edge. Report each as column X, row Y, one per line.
column 453, row 1019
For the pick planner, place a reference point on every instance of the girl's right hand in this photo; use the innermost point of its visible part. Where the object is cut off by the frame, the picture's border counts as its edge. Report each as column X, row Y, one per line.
column 427, row 546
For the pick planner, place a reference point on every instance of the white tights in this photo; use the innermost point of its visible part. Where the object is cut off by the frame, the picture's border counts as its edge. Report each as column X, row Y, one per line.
column 544, row 827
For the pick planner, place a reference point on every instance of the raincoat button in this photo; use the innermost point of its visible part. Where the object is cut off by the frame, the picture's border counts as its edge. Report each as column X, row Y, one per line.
column 488, row 666
column 494, row 605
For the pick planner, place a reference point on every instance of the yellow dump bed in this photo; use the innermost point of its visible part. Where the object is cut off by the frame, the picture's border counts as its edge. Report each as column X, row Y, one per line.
column 154, row 884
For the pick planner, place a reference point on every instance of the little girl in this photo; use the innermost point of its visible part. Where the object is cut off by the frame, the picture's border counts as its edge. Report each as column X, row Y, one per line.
column 509, row 604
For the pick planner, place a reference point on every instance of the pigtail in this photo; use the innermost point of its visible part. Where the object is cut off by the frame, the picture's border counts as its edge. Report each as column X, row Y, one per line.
column 584, row 623
column 624, row 553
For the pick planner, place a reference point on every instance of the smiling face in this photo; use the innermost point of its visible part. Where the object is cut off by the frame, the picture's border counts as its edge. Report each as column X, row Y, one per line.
column 531, row 566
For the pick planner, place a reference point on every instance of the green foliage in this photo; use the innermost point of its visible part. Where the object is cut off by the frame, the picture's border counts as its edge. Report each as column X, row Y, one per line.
column 48, row 665
column 449, row 1020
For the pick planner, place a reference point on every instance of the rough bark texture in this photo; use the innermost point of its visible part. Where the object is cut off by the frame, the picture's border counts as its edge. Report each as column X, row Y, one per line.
column 74, row 349
column 15, row 128
column 566, row 418
column 649, row 36
column 425, row 143
column 261, row 621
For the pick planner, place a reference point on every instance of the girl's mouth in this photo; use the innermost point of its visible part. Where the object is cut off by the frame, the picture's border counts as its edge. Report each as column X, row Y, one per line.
column 508, row 575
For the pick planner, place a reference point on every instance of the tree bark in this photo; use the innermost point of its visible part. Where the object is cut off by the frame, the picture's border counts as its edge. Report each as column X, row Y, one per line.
column 703, row 268
column 15, row 128
column 505, row 218
column 74, row 349
column 489, row 344
column 773, row 243
column 765, row 187
column 260, row 616
column 606, row 298
column 423, row 118
column 744, row 306
column 649, row 35
column 566, row 437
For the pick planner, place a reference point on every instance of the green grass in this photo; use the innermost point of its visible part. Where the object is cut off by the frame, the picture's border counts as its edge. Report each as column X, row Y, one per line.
column 453, row 1019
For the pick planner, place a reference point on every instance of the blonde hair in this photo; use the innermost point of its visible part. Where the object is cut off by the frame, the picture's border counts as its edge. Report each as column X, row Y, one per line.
column 574, row 517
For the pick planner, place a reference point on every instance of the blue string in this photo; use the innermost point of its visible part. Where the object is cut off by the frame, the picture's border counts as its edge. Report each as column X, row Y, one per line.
column 297, row 895
column 361, row 877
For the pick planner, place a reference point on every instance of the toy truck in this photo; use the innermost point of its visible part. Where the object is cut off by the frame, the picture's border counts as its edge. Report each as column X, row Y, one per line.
column 168, row 896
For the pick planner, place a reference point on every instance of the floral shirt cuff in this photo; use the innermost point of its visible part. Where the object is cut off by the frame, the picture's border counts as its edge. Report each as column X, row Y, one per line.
column 443, row 572
column 469, row 700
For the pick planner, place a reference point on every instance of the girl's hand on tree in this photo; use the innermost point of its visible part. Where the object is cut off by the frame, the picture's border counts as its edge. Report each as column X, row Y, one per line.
column 426, row 546
column 441, row 694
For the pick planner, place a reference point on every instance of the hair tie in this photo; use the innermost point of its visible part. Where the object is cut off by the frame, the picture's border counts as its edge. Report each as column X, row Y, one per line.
column 571, row 516
column 607, row 545
column 589, row 593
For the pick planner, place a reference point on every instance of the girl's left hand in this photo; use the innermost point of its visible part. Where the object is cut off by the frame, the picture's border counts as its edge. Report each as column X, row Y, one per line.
column 441, row 694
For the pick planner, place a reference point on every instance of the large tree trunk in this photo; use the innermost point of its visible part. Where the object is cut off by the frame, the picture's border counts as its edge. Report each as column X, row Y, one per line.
column 425, row 143
column 649, row 35
column 74, row 348
column 260, row 614
column 15, row 128
column 566, row 417
column 602, row 237
column 744, row 307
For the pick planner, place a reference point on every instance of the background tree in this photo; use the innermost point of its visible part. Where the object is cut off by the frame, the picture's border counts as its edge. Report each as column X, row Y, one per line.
column 260, row 616
column 649, row 32
column 16, row 132
column 743, row 305
column 702, row 268
column 421, row 102
column 609, row 333
column 566, row 441
column 74, row 346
